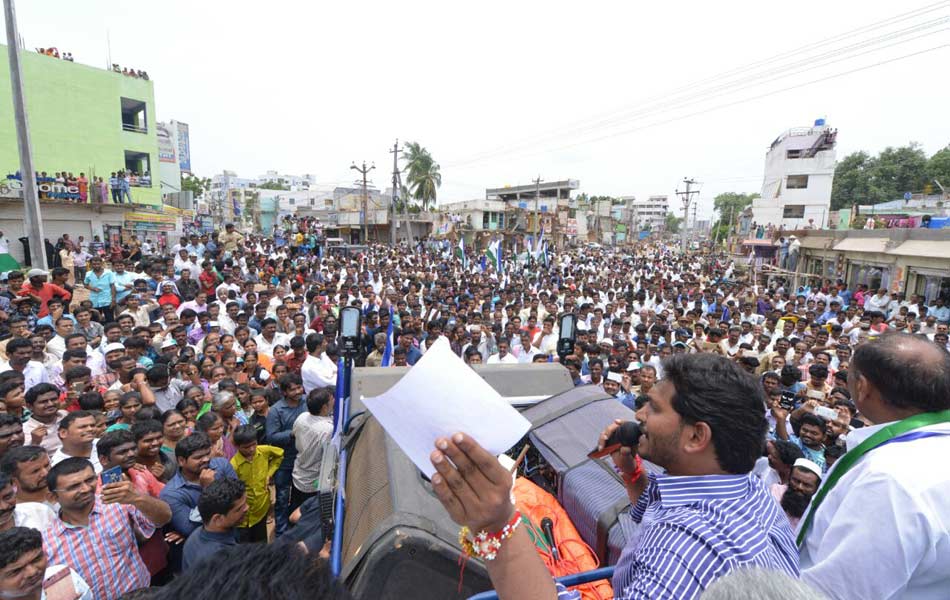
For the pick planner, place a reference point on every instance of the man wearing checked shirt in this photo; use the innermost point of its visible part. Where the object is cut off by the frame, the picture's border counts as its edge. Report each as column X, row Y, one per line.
column 707, row 515
column 96, row 535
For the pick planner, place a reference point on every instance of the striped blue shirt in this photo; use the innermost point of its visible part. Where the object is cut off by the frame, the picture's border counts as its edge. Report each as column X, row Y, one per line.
column 696, row 529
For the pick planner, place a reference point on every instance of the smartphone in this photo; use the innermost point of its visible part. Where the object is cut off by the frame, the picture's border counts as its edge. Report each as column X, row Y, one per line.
column 828, row 414
column 816, row 395
column 788, row 401
column 113, row 475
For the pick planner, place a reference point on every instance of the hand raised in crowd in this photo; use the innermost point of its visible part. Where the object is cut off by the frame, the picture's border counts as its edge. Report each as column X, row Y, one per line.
column 471, row 484
column 206, row 477
column 37, row 435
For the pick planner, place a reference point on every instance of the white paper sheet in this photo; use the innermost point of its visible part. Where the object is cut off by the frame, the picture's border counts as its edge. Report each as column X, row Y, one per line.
column 440, row 396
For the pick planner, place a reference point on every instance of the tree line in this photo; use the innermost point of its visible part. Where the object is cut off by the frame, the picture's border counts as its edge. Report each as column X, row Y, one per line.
column 864, row 179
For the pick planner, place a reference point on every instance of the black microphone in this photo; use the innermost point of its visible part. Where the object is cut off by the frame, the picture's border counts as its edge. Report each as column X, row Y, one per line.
column 547, row 527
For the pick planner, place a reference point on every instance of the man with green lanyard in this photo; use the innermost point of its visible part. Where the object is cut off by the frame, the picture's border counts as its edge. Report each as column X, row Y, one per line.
column 879, row 526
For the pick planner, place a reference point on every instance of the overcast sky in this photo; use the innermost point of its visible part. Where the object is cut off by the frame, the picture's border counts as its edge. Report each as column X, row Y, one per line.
column 309, row 87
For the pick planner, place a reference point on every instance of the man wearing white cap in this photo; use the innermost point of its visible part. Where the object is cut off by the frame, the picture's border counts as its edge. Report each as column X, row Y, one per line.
column 803, row 482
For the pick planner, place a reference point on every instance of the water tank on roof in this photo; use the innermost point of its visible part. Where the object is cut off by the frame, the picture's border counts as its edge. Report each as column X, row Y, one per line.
column 819, row 122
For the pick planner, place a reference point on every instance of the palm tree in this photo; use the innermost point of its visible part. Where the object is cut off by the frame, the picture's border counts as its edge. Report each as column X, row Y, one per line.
column 422, row 174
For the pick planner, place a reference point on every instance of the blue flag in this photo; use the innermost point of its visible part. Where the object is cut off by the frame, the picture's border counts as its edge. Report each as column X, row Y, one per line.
column 388, row 351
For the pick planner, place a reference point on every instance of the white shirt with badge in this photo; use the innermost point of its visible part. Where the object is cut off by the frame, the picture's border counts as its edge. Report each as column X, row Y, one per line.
column 885, row 523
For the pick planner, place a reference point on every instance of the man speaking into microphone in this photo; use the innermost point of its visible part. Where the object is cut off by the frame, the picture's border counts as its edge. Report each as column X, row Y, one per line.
column 704, row 424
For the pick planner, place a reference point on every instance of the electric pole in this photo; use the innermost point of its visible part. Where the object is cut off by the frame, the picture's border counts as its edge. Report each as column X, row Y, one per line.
column 687, row 198
column 364, row 170
column 397, row 184
column 537, row 197
column 31, row 201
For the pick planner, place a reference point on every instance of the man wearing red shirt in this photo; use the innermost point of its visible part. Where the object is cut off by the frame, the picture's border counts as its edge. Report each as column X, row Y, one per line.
column 208, row 279
column 41, row 291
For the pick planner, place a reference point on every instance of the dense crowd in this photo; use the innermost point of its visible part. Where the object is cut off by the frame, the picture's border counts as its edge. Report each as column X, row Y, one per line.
column 151, row 402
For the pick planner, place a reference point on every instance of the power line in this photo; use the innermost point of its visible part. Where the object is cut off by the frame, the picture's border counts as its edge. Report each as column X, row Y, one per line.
column 734, row 103
column 664, row 103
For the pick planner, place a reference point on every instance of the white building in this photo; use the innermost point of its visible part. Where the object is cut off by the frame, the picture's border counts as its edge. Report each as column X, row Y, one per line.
column 651, row 211
column 799, row 169
column 294, row 182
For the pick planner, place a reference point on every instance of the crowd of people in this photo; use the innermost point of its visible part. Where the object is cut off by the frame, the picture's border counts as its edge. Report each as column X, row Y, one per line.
column 54, row 53
column 117, row 188
column 136, row 73
column 149, row 404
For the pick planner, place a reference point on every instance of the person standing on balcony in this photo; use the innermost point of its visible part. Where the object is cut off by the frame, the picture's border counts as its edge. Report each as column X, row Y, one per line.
column 83, row 185
column 124, row 188
column 114, row 184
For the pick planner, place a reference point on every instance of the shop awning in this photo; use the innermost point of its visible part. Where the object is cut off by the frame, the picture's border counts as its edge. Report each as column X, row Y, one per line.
column 923, row 248
column 862, row 245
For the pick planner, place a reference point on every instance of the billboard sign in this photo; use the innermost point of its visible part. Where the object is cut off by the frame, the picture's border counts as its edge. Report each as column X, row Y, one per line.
column 184, row 147
column 166, row 144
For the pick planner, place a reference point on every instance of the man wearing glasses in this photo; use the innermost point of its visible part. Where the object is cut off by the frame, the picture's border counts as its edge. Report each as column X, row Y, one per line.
column 91, row 531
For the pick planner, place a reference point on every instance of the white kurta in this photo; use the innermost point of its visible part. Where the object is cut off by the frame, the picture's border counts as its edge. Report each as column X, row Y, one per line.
column 883, row 532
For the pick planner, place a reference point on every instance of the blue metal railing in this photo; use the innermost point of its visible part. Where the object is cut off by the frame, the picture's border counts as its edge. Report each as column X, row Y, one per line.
column 566, row 581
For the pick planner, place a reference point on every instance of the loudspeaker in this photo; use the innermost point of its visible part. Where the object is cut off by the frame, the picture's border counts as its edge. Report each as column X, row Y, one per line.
column 398, row 541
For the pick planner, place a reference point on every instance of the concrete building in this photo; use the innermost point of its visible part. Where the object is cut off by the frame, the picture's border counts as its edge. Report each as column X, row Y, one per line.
column 293, row 182
column 649, row 212
column 83, row 120
column 799, row 169
column 910, row 261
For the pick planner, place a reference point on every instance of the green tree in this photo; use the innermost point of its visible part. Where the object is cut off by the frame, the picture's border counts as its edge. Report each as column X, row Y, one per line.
column 729, row 205
column 852, row 182
column 673, row 223
column 938, row 167
column 899, row 170
column 197, row 185
column 423, row 174
column 863, row 179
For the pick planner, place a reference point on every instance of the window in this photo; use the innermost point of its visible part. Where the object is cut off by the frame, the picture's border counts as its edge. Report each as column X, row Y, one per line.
column 793, row 154
column 485, row 220
column 134, row 118
column 794, row 211
column 138, row 169
column 796, row 182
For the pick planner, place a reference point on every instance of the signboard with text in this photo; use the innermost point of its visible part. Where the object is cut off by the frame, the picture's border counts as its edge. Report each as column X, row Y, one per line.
column 184, row 148
column 166, row 144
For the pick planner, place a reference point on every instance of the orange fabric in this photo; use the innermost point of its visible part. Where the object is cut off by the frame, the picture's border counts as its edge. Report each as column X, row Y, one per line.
column 576, row 557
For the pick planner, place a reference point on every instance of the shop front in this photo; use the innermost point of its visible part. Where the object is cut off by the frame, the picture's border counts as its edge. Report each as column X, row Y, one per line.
column 158, row 228
column 928, row 283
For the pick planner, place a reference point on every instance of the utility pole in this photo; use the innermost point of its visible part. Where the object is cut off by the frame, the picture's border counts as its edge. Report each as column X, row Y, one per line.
column 687, row 198
column 537, row 197
column 363, row 171
column 694, row 233
column 31, row 202
column 397, row 183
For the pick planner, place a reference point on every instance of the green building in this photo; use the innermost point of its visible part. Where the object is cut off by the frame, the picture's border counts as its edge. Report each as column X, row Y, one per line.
column 83, row 120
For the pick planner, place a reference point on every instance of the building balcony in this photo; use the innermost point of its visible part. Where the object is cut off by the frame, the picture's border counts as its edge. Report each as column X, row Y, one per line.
column 134, row 128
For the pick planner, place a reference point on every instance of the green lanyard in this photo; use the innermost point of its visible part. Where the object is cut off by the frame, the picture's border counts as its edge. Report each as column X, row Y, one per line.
column 849, row 459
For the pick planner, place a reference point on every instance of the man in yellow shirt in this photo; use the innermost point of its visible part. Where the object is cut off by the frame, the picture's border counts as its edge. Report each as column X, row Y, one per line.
column 255, row 465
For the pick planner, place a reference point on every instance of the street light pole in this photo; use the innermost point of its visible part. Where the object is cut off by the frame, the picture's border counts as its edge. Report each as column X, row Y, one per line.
column 31, row 201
